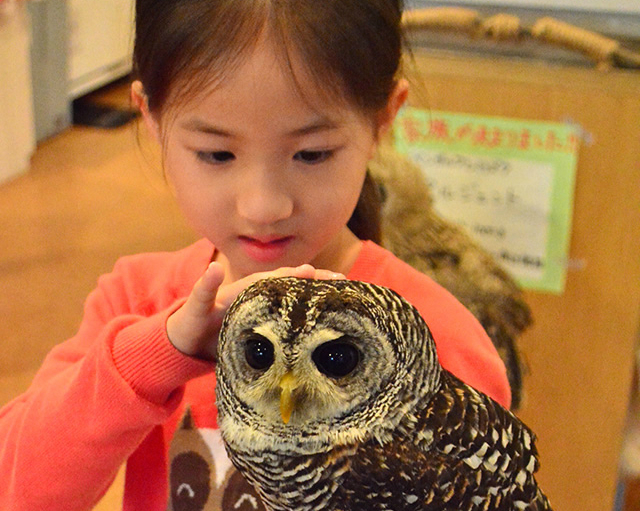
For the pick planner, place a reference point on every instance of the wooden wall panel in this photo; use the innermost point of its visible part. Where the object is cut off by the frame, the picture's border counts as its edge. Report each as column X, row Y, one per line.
column 580, row 348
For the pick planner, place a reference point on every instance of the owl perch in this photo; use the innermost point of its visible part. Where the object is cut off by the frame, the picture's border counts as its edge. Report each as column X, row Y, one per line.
column 331, row 397
column 414, row 232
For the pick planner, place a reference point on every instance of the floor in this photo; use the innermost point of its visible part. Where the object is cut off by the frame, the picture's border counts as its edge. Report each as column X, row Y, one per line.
column 91, row 196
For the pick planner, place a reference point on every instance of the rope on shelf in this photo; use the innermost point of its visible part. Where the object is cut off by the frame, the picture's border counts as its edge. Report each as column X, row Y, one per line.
column 606, row 52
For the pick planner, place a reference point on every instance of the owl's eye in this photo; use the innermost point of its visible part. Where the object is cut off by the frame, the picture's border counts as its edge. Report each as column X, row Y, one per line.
column 258, row 352
column 336, row 358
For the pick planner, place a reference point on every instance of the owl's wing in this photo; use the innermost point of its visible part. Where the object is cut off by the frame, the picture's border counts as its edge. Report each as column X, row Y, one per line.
column 403, row 477
column 462, row 452
column 474, row 432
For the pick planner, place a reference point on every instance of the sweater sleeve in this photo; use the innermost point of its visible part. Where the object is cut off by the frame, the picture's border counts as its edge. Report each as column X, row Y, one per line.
column 94, row 400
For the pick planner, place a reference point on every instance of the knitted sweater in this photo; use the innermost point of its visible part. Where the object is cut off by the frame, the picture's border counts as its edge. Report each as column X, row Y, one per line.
column 119, row 391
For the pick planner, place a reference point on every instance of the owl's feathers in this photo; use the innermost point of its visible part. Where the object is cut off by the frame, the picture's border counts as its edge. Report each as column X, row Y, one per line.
column 413, row 230
column 377, row 424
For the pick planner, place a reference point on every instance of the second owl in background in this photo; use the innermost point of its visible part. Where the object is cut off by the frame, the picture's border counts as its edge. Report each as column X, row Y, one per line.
column 331, row 397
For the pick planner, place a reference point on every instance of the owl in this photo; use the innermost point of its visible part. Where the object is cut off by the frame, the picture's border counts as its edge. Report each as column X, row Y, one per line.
column 330, row 397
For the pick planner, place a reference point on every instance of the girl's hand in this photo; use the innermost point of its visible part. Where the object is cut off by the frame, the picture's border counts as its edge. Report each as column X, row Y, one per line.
column 193, row 329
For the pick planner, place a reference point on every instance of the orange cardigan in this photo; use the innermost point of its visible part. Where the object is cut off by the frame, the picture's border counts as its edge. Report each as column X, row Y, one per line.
column 117, row 390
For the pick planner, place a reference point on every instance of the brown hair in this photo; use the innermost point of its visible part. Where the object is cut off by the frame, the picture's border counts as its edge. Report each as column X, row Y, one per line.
column 355, row 46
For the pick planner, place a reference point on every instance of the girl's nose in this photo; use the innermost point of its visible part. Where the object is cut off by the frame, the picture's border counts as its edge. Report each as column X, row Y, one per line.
column 264, row 201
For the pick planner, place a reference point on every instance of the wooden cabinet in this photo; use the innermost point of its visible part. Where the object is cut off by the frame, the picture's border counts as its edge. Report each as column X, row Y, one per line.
column 580, row 348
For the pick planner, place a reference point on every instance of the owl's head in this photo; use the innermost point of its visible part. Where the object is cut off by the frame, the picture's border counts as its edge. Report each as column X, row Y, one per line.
column 318, row 361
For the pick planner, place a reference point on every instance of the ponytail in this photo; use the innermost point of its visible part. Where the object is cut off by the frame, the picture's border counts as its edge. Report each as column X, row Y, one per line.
column 365, row 221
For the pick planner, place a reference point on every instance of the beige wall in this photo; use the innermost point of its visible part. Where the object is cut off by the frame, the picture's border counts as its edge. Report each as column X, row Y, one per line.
column 17, row 132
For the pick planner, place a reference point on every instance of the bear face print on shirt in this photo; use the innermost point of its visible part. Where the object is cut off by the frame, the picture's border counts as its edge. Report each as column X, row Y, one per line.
column 201, row 476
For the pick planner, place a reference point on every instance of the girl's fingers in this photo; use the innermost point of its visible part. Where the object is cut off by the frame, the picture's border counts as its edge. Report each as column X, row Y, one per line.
column 328, row 275
column 306, row 271
column 203, row 296
column 193, row 328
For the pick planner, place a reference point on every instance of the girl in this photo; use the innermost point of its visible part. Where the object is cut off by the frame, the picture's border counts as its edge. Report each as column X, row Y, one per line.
column 267, row 112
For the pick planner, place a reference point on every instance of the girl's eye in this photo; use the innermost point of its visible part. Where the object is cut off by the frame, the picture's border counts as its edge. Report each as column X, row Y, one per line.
column 313, row 157
column 215, row 157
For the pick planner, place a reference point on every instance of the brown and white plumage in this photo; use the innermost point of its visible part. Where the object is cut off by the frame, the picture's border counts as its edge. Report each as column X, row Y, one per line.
column 413, row 230
column 383, row 427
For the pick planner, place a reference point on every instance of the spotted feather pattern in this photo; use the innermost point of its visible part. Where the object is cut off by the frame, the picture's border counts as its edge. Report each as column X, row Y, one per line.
column 422, row 441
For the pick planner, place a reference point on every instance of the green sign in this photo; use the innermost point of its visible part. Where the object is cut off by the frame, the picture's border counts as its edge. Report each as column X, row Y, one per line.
column 509, row 182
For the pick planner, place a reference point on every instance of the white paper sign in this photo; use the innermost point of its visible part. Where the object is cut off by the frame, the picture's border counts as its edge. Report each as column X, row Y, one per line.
column 504, row 203
column 508, row 181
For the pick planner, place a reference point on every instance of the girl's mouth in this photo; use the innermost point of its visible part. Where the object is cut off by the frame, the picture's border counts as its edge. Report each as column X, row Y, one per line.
column 265, row 250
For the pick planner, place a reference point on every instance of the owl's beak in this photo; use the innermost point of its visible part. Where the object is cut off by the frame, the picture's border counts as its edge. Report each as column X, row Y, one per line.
column 288, row 384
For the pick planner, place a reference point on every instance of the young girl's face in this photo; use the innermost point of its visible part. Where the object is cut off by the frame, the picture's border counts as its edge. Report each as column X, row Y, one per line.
column 267, row 169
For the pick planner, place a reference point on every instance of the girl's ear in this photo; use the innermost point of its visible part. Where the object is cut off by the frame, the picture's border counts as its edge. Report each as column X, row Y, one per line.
column 141, row 102
column 396, row 99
